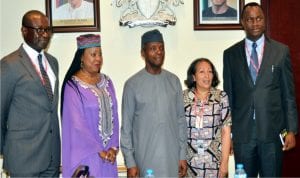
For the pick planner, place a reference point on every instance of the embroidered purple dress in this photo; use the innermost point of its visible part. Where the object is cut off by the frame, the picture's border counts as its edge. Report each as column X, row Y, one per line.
column 89, row 125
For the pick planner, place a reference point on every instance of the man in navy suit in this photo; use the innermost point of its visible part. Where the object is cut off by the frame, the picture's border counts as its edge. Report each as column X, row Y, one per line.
column 30, row 141
column 259, row 82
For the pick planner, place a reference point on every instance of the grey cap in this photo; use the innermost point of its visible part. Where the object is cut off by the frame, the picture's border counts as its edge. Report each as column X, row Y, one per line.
column 152, row 36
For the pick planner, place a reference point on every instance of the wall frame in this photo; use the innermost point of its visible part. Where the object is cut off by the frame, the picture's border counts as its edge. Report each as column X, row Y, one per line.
column 64, row 19
column 205, row 19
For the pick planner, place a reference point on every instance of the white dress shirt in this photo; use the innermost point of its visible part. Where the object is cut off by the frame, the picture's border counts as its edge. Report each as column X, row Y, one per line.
column 33, row 54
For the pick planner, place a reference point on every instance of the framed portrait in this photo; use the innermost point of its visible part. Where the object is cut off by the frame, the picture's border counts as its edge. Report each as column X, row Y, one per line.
column 217, row 14
column 73, row 15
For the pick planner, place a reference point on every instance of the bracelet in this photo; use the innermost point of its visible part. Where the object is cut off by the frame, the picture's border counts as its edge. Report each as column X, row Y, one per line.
column 114, row 148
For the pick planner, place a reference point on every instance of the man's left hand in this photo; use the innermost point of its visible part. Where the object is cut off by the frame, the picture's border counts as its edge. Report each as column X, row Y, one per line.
column 182, row 168
column 290, row 141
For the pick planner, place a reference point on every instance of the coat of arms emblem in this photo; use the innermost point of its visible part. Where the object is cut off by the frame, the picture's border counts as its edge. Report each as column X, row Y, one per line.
column 147, row 12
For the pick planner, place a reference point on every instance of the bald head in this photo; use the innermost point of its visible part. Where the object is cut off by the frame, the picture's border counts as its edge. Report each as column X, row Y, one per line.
column 30, row 15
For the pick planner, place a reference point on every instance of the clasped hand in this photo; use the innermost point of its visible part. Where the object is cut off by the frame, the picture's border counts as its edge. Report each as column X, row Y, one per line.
column 109, row 155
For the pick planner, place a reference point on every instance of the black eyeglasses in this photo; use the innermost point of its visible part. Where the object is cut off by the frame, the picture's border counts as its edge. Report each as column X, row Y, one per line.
column 40, row 30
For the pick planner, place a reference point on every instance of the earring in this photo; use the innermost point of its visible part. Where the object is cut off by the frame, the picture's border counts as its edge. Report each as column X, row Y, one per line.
column 81, row 64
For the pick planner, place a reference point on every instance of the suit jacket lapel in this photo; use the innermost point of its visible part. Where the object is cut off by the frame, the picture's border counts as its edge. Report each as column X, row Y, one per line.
column 265, row 61
column 50, row 60
column 245, row 67
column 28, row 65
column 32, row 71
column 55, row 71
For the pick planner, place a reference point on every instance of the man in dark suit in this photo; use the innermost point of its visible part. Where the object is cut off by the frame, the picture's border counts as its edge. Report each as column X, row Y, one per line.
column 30, row 141
column 259, row 81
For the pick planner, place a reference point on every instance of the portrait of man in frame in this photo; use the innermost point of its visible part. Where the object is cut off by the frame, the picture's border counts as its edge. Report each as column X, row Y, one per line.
column 73, row 15
column 217, row 14
column 72, row 12
column 219, row 11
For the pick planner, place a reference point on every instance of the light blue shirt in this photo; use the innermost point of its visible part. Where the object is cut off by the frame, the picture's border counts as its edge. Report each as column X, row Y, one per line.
column 259, row 49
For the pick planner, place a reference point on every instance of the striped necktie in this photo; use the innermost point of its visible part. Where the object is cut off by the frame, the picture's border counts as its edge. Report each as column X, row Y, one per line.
column 254, row 62
column 46, row 81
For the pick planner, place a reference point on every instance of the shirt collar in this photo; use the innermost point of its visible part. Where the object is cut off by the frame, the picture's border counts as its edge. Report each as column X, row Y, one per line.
column 32, row 53
column 259, row 42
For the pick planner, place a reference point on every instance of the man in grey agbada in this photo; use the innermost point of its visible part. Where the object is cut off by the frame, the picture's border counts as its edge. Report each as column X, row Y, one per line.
column 153, row 133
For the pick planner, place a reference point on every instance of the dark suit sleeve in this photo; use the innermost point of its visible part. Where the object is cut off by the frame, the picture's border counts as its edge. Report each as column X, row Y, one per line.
column 7, row 88
column 227, row 85
column 288, row 93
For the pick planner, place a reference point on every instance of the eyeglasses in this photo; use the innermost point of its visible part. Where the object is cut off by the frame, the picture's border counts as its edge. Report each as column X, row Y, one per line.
column 40, row 30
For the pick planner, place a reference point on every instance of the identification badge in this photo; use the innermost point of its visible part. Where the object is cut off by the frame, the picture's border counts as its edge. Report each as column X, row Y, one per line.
column 200, row 148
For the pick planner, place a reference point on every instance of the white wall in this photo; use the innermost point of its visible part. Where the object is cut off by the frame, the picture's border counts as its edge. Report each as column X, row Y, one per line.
column 121, row 45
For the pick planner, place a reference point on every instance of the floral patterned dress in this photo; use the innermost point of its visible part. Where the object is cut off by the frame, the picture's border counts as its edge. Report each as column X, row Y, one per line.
column 205, row 121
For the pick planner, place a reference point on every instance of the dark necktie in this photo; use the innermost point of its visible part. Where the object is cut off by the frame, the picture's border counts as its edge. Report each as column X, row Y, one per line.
column 46, row 80
column 254, row 62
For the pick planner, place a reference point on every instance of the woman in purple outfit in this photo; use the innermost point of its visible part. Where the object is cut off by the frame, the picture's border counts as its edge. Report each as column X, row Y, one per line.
column 90, row 126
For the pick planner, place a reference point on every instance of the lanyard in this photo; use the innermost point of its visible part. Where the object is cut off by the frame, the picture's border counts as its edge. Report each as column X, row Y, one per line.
column 259, row 59
column 199, row 113
column 38, row 71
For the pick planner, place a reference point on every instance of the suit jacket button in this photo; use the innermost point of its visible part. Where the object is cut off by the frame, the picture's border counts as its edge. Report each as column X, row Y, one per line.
column 51, row 131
